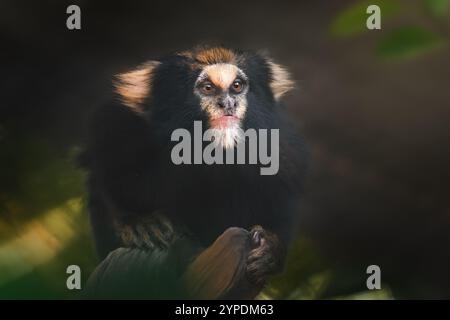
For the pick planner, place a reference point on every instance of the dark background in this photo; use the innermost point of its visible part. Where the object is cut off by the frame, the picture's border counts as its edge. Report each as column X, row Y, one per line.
column 374, row 107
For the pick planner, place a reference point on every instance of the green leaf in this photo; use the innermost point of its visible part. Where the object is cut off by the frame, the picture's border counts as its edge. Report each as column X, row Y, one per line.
column 438, row 7
column 408, row 42
column 352, row 20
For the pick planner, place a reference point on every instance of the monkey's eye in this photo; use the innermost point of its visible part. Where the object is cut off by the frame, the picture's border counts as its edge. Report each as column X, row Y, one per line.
column 237, row 86
column 207, row 88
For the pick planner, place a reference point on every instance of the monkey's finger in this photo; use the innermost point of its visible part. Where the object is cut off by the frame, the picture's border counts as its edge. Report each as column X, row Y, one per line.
column 143, row 237
column 256, row 254
column 158, row 237
column 256, row 238
column 162, row 227
column 256, row 275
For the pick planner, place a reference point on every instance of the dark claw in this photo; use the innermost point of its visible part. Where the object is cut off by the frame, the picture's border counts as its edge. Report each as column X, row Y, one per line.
column 256, row 238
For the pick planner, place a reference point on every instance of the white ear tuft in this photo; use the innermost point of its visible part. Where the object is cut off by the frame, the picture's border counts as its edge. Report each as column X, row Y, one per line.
column 134, row 86
column 280, row 81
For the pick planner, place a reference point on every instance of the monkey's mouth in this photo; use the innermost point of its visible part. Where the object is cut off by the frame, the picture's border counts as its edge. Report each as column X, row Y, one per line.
column 225, row 121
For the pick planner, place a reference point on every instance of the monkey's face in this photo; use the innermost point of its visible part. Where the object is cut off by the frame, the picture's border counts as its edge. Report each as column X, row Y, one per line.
column 227, row 89
column 222, row 91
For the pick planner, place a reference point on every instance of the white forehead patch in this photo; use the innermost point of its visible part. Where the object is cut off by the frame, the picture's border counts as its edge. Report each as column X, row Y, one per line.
column 221, row 75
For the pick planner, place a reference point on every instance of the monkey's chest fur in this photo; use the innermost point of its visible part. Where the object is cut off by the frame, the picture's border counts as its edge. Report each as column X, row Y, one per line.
column 132, row 177
column 210, row 199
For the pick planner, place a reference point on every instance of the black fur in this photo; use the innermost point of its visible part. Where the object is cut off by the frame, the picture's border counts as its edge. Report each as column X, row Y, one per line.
column 132, row 175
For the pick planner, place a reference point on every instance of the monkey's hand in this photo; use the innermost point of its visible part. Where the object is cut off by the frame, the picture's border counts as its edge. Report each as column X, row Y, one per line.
column 154, row 231
column 266, row 257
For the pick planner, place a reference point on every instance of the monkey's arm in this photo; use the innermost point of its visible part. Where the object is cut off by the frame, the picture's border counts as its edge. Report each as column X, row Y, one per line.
column 121, row 174
column 120, row 158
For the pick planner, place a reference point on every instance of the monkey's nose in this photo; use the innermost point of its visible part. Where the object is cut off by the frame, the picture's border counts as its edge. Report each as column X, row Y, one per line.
column 227, row 103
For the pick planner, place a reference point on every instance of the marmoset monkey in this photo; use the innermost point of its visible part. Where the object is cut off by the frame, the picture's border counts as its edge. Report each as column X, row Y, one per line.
column 141, row 200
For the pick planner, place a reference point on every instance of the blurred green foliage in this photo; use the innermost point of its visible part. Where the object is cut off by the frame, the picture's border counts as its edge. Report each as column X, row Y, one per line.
column 43, row 225
column 352, row 20
column 397, row 42
column 408, row 42
column 439, row 8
